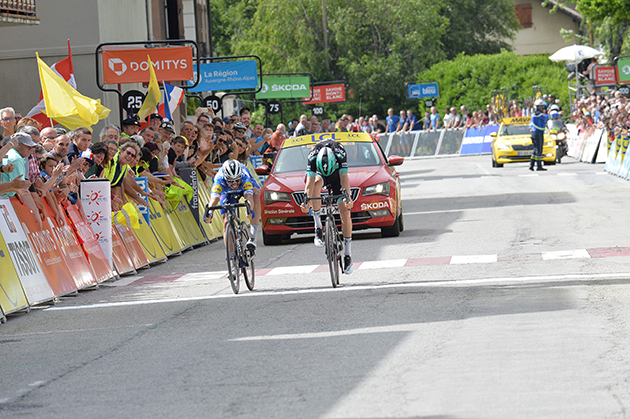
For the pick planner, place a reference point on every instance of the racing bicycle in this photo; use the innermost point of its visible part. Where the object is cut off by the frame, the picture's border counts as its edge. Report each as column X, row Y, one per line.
column 333, row 242
column 239, row 258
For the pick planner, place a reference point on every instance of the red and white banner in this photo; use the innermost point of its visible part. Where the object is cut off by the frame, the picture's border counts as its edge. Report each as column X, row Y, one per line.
column 328, row 93
column 64, row 69
column 96, row 200
column 605, row 76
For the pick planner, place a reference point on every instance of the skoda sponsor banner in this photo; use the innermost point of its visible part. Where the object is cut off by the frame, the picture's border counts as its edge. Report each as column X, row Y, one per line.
column 223, row 76
column 131, row 65
column 297, row 87
column 478, row 140
column 329, row 93
column 417, row 91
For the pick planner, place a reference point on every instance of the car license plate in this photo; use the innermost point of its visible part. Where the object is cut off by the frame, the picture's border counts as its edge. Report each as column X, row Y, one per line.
column 525, row 153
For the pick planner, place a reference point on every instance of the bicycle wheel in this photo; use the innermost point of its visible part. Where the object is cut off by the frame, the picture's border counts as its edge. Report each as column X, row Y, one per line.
column 248, row 270
column 231, row 249
column 332, row 250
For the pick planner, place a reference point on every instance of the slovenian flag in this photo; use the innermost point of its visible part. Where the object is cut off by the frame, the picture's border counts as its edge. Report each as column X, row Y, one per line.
column 171, row 99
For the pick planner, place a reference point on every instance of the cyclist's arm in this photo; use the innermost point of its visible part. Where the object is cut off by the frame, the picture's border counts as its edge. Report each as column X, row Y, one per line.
column 345, row 184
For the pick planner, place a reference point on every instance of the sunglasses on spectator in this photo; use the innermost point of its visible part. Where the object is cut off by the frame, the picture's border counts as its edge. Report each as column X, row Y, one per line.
column 8, row 119
column 130, row 153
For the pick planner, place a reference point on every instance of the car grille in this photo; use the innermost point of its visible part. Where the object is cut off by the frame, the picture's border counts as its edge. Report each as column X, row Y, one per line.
column 307, row 222
column 519, row 147
column 299, row 197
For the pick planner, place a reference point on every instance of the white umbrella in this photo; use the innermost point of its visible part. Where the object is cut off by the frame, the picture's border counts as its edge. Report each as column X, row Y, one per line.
column 574, row 53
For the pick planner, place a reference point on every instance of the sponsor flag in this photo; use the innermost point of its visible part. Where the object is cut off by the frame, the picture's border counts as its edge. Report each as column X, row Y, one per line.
column 152, row 98
column 64, row 69
column 171, row 99
column 65, row 104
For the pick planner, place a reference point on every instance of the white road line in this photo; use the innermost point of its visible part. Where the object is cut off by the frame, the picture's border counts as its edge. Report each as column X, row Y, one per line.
column 462, row 260
column 436, row 212
column 202, row 276
column 483, row 169
column 292, row 270
column 566, row 174
column 380, row 264
column 566, row 254
column 530, row 175
column 360, row 331
column 601, row 173
column 353, row 288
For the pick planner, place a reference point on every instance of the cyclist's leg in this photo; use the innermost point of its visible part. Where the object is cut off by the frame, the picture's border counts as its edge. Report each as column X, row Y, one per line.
column 313, row 190
column 346, row 223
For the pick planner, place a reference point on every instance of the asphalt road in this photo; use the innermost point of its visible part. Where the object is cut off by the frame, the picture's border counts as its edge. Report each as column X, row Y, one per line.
column 506, row 296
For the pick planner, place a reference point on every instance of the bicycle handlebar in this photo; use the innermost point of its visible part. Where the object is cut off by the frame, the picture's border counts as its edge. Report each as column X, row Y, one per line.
column 344, row 194
column 225, row 206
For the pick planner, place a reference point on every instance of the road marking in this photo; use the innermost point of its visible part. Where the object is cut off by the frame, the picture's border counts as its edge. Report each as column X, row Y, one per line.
column 566, row 254
column 567, row 174
column 381, row 264
column 462, row 260
column 293, row 270
column 355, row 288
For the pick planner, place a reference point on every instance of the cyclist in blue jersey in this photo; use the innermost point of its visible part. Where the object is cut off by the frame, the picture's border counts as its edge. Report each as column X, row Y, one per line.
column 232, row 182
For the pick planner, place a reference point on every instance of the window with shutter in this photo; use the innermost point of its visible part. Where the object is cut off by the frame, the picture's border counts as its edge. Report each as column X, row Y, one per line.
column 524, row 15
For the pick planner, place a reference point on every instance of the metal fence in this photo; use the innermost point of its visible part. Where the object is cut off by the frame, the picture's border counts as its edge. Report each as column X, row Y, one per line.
column 423, row 143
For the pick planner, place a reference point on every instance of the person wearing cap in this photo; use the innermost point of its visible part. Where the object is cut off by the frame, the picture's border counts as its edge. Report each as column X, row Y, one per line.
column 155, row 120
column 130, row 126
column 537, row 128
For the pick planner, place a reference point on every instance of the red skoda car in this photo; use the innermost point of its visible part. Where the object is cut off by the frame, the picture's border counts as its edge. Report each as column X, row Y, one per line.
column 375, row 187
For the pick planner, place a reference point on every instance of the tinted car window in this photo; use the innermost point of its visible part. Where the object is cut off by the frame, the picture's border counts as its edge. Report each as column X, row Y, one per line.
column 515, row 130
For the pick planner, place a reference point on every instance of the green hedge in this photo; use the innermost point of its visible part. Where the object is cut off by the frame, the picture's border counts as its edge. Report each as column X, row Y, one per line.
column 470, row 80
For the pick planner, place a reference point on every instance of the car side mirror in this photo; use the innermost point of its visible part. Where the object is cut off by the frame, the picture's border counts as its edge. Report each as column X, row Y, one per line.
column 263, row 170
column 395, row 160
column 493, row 134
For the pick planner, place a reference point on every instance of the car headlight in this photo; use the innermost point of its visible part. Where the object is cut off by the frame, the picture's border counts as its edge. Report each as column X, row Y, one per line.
column 549, row 144
column 503, row 147
column 273, row 196
column 378, row 189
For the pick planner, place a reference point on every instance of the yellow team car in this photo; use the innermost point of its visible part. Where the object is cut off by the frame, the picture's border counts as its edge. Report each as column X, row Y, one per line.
column 513, row 143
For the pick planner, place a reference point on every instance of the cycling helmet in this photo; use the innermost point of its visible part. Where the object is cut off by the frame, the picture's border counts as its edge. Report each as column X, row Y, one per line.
column 326, row 161
column 554, row 107
column 240, row 125
column 554, row 114
column 232, row 170
column 539, row 102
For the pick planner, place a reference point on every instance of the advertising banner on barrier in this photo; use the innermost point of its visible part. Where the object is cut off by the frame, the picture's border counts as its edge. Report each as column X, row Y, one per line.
column 134, row 249
column 227, row 75
column 149, row 242
column 478, row 140
column 162, row 227
column 191, row 227
column 328, row 93
column 143, row 182
column 75, row 259
column 120, row 256
column 47, row 250
column 12, row 297
column 89, row 242
column 189, row 175
column 96, row 200
column 33, row 281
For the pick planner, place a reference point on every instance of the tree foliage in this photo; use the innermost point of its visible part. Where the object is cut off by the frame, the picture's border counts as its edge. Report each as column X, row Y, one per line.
column 471, row 80
column 376, row 46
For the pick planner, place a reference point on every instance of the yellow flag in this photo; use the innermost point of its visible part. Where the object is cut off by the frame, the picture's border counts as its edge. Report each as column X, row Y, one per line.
column 65, row 104
column 153, row 94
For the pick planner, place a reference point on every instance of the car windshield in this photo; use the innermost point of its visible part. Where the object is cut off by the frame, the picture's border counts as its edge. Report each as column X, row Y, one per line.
column 293, row 159
column 515, row 130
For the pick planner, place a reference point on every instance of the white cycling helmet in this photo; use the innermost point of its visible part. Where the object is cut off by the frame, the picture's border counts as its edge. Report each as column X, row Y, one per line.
column 232, row 170
column 554, row 114
column 539, row 102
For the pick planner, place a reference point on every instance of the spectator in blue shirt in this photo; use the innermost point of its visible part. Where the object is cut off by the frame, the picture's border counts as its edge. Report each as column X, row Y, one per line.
column 435, row 119
column 392, row 120
column 411, row 123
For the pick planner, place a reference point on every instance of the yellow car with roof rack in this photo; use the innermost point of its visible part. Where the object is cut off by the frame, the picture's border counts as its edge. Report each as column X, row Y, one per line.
column 513, row 143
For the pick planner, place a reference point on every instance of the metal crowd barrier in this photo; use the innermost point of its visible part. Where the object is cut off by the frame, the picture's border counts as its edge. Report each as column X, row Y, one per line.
column 443, row 142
